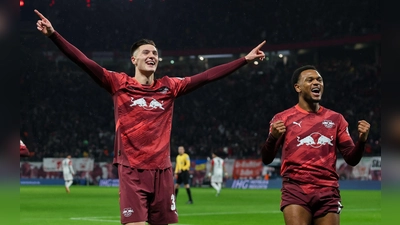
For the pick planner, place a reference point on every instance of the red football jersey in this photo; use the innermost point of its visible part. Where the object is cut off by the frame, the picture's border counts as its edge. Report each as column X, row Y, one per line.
column 143, row 114
column 143, row 118
column 310, row 143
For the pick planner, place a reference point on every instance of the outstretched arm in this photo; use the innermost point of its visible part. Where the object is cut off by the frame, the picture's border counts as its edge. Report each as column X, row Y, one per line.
column 74, row 54
column 352, row 154
column 223, row 70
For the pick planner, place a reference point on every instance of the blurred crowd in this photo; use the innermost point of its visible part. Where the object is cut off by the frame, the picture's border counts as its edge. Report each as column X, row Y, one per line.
column 179, row 25
column 64, row 112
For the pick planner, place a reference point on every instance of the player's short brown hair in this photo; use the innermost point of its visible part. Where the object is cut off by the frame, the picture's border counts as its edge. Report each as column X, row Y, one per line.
column 141, row 42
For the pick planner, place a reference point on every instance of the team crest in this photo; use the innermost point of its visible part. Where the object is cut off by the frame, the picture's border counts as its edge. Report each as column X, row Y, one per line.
column 127, row 212
column 328, row 123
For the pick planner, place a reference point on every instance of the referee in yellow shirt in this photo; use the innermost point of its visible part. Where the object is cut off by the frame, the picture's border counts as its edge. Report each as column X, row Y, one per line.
column 182, row 167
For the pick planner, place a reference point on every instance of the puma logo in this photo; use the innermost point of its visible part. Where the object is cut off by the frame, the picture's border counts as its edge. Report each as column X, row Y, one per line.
column 297, row 123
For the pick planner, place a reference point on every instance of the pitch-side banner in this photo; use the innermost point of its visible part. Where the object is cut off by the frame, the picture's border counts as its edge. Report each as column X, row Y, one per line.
column 79, row 164
column 247, row 168
column 369, row 168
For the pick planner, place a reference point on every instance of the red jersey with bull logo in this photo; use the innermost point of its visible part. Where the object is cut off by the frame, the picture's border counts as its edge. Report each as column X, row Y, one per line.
column 309, row 145
column 143, row 118
column 143, row 113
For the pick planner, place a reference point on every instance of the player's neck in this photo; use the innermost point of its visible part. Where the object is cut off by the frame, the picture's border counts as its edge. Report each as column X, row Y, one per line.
column 144, row 79
column 309, row 106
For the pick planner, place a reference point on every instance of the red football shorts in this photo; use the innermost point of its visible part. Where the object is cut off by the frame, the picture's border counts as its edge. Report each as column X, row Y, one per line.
column 316, row 199
column 147, row 195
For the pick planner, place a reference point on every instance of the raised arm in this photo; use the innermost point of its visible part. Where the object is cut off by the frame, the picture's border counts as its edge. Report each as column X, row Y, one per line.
column 74, row 54
column 352, row 154
column 273, row 142
column 223, row 70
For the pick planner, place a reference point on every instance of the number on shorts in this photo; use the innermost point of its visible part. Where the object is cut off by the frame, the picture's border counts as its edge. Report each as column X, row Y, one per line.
column 173, row 206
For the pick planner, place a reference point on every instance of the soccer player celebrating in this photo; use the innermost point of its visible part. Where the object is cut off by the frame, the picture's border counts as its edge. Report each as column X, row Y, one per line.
column 68, row 173
column 143, row 109
column 182, row 168
column 309, row 135
column 217, row 173
column 23, row 150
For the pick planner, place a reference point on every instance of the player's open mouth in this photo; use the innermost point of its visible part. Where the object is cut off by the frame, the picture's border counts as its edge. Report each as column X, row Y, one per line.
column 151, row 63
column 316, row 92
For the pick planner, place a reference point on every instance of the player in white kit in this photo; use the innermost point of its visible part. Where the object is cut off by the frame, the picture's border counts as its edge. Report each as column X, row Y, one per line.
column 68, row 172
column 217, row 173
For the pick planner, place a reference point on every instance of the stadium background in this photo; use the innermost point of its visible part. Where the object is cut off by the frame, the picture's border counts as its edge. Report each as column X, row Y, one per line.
column 64, row 112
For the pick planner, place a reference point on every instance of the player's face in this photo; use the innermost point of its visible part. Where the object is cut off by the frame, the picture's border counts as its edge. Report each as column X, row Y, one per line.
column 310, row 86
column 181, row 150
column 145, row 58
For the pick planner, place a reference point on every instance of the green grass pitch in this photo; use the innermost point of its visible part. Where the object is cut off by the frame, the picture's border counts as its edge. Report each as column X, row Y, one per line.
column 41, row 205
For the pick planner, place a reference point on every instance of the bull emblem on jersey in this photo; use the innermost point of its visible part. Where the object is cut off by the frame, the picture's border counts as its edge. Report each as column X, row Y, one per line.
column 307, row 141
column 139, row 102
column 315, row 140
column 323, row 140
column 155, row 104
column 142, row 102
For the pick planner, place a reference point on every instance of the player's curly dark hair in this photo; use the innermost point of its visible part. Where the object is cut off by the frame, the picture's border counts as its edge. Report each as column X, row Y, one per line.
column 141, row 42
column 297, row 72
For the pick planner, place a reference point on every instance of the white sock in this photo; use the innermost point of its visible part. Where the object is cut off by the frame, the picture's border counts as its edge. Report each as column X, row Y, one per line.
column 215, row 186
column 219, row 187
column 68, row 183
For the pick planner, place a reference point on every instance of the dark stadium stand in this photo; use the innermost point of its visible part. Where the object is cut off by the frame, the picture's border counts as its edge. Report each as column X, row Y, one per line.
column 64, row 111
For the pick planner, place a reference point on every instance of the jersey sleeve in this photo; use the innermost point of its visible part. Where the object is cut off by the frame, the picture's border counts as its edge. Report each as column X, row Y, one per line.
column 99, row 74
column 352, row 153
column 212, row 74
column 187, row 163
column 272, row 144
column 179, row 84
column 71, row 168
column 343, row 131
column 177, row 164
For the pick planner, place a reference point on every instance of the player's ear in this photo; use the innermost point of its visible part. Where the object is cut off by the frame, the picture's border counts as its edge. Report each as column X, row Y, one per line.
column 133, row 60
column 297, row 87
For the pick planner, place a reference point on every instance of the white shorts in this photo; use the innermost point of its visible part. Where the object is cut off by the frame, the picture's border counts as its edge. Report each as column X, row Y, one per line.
column 217, row 178
column 68, row 176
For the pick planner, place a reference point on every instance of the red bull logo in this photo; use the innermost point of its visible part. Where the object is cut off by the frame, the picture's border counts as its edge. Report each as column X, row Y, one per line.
column 315, row 140
column 142, row 102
